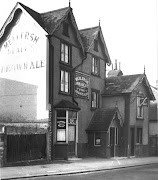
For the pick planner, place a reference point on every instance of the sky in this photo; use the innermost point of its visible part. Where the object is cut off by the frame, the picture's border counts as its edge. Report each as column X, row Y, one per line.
column 130, row 28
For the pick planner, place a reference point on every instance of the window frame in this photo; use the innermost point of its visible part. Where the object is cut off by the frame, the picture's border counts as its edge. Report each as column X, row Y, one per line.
column 139, row 137
column 96, row 144
column 97, row 92
column 64, row 81
column 140, row 108
column 95, row 67
column 65, row 129
column 65, row 55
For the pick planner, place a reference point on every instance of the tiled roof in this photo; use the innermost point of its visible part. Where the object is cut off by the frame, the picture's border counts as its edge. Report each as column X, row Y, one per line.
column 88, row 35
column 63, row 104
column 53, row 18
column 101, row 119
column 48, row 20
column 122, row 84
column 126, row 84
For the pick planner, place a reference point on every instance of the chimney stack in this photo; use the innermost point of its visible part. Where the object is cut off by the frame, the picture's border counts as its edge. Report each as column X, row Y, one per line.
column 119, row 66
column 115, row 64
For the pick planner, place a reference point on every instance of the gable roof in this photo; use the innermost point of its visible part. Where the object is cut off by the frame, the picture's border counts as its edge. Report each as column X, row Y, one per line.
column 51, row 20
column 126, row 84
column 102, row 119
column 89, row 35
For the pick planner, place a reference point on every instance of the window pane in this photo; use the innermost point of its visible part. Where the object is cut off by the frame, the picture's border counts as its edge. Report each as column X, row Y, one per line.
column 61, row 113
column 97, row 139
column 62, row 80
column 61, row 135
column 66, row 54
column 62, row 52
column 72, row 133
column 139, row 135
column 93, row 65
column 66, row 82
column 94, row 99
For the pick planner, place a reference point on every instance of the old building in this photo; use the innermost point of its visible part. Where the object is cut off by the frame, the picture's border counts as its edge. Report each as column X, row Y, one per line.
column 131, row 94
column 51, row 75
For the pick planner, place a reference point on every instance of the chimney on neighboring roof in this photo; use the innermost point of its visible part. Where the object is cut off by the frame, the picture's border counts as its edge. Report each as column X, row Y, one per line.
column 115, row 64
column 115, row 72
column 119, row 66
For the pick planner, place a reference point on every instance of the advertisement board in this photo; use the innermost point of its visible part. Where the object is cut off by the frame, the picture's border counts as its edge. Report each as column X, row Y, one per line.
column 82, row 82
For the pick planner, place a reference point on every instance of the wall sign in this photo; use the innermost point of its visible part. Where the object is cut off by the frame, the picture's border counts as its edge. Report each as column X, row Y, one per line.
column 82, row 85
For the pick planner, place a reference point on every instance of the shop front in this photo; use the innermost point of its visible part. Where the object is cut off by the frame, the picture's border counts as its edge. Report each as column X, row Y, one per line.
column 66, row 127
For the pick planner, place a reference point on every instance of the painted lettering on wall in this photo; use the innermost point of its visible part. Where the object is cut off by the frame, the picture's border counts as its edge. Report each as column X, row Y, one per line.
column 22, row 66
column 82, row 85
column 20, row 43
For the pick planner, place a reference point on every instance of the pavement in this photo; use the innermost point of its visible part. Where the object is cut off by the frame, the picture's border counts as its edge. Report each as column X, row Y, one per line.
column 73, row 166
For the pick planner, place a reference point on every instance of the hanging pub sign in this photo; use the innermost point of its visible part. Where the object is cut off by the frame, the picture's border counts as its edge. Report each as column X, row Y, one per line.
column 82, row 85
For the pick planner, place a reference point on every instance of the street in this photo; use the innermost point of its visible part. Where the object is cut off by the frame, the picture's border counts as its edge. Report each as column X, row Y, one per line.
column 145, row 172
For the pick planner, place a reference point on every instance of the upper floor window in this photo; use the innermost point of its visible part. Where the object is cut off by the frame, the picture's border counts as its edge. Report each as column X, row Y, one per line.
column 65, row 53
column 66, row 29
column 94, row 99
column 139, row 107
column 64, row 81
column 96, row 45
column 95, row 65
column 139, row 135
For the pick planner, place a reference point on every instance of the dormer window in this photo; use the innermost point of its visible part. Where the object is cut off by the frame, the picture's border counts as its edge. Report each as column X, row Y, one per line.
column 96, row 45
column 65, row 29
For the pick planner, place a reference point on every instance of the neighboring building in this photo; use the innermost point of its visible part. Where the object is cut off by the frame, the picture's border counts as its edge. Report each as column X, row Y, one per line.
column 51, row 77
column 131, row 95
column 153, row 123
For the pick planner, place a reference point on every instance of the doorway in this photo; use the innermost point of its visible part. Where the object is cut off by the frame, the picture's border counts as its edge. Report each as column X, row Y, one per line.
column 71, row 140
column 112, row 141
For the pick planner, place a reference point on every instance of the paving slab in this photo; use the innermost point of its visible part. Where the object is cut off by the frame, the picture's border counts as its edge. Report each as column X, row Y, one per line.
column 73, row 166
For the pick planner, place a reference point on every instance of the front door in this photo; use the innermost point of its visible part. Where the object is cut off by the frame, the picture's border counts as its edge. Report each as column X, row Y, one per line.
column 71, row 140
column 132, row 141
column 112, row 141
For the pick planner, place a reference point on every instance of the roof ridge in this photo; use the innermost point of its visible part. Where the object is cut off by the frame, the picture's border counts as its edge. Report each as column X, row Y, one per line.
column 126, row 75
column 89, row 28
column 24, row 6
column 55, row 10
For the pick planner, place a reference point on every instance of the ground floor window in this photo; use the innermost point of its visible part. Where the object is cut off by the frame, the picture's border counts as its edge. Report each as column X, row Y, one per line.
column 66, row 125
column 61, row 126
column 139, row 135
column 97, row 139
